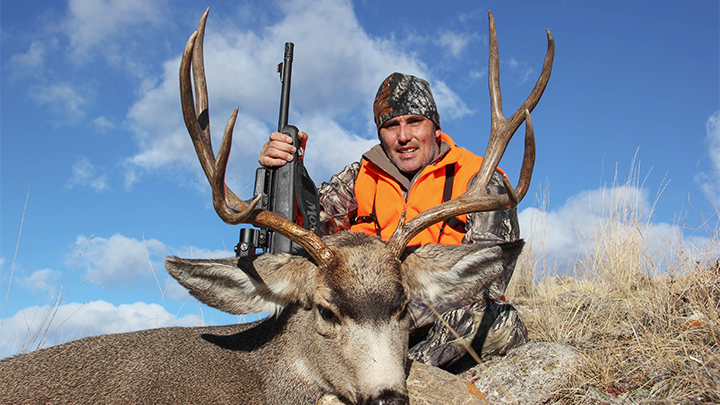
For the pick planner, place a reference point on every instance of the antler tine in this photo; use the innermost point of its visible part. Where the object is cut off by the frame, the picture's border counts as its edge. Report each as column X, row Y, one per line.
column 204, row 153
column 502, row 129
column 527, row 166
column 219, row 190
column 198, row 68
column 476, row 199
column 229, row 207
column 200, row 138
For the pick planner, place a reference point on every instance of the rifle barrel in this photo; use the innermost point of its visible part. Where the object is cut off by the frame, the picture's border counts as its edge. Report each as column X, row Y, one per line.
column 285, row 69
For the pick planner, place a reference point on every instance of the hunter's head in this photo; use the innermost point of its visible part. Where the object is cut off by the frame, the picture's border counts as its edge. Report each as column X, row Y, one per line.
column 408, row 122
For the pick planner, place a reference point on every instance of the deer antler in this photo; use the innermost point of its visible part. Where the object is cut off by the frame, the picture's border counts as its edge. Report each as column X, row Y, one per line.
column 476, row 199
column 229, row 206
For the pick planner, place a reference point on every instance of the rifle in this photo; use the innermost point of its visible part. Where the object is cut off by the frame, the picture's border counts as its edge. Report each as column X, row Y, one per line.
column 287, row 190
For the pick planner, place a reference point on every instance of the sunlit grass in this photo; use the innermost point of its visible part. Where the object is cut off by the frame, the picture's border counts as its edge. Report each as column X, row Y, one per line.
column 644, row 311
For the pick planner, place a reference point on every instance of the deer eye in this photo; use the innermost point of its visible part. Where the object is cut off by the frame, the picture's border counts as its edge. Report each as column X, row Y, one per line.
column 327, row 314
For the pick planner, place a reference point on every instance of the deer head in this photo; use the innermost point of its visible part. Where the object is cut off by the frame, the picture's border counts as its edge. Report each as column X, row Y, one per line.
column 350, row 292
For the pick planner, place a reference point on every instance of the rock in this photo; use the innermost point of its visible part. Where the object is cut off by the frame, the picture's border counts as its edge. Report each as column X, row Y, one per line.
column 428, row 385
column 697, row 320
column 528, row 374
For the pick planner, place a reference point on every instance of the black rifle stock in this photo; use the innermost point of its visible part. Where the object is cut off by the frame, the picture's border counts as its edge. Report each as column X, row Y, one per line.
column 286, row 190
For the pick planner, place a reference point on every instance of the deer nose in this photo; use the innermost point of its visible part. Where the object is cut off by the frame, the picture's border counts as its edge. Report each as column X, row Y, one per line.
column 392, row 401
column 390, row 398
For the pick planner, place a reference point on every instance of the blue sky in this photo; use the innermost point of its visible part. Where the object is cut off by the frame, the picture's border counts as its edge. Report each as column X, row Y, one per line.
column 99, row 180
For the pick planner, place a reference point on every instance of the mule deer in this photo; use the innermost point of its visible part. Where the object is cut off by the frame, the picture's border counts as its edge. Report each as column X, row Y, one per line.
column 338, row 322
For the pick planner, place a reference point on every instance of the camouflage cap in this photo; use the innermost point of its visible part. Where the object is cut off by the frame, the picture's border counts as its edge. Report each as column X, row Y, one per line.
column 402, row 94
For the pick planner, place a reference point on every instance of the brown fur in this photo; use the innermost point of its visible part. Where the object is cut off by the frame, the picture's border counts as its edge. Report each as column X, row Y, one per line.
column 342, row 329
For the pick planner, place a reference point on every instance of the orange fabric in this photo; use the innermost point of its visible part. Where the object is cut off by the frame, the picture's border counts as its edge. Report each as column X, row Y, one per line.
column 373, row 185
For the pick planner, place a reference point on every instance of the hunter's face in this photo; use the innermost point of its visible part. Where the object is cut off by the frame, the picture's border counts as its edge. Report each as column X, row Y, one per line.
column 410, row 141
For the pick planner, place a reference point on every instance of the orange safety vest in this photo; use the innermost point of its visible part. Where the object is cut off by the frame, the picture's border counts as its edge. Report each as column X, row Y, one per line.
column 376, row 191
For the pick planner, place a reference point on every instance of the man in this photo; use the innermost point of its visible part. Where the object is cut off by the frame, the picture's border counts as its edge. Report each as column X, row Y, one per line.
column 415, row 167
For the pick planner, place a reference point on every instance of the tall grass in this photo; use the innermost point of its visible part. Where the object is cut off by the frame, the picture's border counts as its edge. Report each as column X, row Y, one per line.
column 644, row 311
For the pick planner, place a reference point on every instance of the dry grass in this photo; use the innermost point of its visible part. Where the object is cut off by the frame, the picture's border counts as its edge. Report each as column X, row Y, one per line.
column 647, row 321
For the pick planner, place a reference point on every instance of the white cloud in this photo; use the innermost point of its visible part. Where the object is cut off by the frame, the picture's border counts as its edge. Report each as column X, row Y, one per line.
column 102, row 124
column 114, row 29
column 472, row 16
column 331, row 148
column 448, row 102
column 336, row 71
column 46, row 325
column 131, row 177
column 30, row 63
column 604, row 218
column 479, row 74
column 453, row 43
column 91, row 24
column 113, row 262
column 62, row 98
column 520, row 70
column 710, row 182
column 86, row 174
column 40, row 280
column 120, row 260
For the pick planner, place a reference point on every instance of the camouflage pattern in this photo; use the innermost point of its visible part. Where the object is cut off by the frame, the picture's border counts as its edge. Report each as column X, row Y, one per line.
column 337, row 200
column 489, row 324
column 491, row 329
column 494, row 226
column 401, row 94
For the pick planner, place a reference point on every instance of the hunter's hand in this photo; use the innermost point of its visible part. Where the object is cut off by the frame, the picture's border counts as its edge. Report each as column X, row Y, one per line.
column 278, row 149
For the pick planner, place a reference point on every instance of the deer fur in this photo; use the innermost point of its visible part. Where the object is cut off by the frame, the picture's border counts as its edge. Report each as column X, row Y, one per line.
column 340, row 329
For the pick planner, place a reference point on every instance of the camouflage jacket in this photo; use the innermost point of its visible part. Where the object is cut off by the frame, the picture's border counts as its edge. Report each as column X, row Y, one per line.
column 339, row 207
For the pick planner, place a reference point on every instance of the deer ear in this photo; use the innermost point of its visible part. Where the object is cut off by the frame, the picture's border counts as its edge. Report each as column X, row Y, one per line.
column 246, row 285
column 456, row 272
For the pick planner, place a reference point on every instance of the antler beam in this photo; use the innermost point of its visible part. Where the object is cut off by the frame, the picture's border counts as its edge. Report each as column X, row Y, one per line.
column 476, row 199
column 229, row 207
